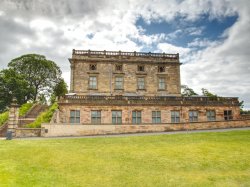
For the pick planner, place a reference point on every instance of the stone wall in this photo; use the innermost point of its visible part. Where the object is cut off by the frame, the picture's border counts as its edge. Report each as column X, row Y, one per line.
column 146, row 111
column 28, row 132
column 80, row 130
column 106, row 74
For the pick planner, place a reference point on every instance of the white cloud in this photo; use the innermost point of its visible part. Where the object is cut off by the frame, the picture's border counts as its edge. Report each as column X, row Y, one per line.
column 54, row 28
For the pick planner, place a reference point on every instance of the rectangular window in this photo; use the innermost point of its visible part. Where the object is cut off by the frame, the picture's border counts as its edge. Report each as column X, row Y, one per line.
column 74, row 116
column 140, row 68
column 117, row 117
column 175, row 116
column 211, row 115
column 119, row 83
column 141, row 83
column 193, row 116
column 161, row 83
column 228, row 115
column 92, row 82
column 156, row 116
column 96, row 116
column 136, row 117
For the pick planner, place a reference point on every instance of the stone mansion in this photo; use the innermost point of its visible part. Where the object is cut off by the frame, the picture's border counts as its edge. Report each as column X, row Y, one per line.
column 133, row 88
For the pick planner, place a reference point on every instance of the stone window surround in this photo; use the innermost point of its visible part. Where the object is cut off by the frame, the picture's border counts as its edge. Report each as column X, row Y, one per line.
column 136, row 117
column 74, row 116
column 92, row 88
column 156, row 116
column 115, row 81
column 175, row 116
column 211, row 115
column 228, row 114
column 116, row 116
column 193, row 115
column 96, row 117
column 137, row 80
column 158, row 82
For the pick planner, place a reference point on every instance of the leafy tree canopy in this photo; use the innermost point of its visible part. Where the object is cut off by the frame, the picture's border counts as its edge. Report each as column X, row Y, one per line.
column 28, row 78
column 188, row 91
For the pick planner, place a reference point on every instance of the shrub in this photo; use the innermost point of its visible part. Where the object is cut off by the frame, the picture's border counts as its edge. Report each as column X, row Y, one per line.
column 4, row 117
column 44, row 117
column 24, row 109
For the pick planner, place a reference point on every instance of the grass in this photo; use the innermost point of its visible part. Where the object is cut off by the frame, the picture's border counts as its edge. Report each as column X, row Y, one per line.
column 4, row 117
column 24, row 109
column 44, row 117
column 204, row 159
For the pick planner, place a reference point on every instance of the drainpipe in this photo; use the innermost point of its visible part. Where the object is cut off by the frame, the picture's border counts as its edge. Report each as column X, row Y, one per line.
column 110, row 78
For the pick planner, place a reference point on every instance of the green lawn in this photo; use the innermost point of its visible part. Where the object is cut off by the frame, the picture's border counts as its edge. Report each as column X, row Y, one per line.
column 204, row 159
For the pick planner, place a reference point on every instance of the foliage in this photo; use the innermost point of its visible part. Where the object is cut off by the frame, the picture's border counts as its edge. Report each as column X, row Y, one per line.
column 24, row 109
column 187, row 92
column 12, row 85
column 59, row 90
column 206, row 93
column 4, row 117
column 41, row 74
column 44, row 117
column 204, row 159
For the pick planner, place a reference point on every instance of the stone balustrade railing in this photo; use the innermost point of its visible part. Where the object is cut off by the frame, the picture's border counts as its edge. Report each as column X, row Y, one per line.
column 150, row 100
column 121, row 53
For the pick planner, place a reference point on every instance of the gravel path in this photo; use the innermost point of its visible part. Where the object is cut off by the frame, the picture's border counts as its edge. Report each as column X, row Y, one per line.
column 135, row 134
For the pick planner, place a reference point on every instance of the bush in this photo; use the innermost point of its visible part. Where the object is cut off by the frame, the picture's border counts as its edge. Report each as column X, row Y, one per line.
column 24, row 109
column 4, row 117
column 44, row 117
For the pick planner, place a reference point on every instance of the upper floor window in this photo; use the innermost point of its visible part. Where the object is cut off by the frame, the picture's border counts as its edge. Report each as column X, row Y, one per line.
column 136, row 117
column 161, row 83
column 156, row 116
column 119, row 83
column 74, row 116
column 211, row 115
column 96, row 116
column 161, row 69
column 92, row 82
column 228, row 115
column 141, row 83
column 193, row 116
column 118, row 67
column 116, row 117
column 175, row 116
column 140, row 68
column 92, row 67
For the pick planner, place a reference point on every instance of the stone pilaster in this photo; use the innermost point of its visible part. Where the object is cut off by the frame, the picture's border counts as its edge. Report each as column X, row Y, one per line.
column 13, row 115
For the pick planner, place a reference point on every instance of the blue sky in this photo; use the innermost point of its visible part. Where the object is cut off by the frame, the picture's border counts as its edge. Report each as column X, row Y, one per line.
column 212, row 37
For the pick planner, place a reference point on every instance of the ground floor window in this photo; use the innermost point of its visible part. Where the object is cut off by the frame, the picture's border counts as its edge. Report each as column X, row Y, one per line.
column 211, row 115
column 95, row 116
column 193, row 116
column 74, row 116
column 228, row 115
column 136, row 117
column 156, row 116
column 117, row 117
column 175, row 116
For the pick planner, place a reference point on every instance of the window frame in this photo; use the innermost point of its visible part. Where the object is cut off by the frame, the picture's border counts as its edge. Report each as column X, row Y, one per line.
column 161, row 69
column 175, row 118
column 119, row 67
column 141, row 68
column 93, row 67
column 75, row 118
column 96, row 119
column 209, row 116
column 160, row 83
column 122, row 83
column 192, row 117
column 228, row 116
column 138, row 83
column 156, row 116
column 116, row 116
column 136, row 117
column 91, row 82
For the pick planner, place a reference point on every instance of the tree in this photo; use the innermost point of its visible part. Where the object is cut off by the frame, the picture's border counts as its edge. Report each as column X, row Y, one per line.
column 188, row 91
column 206, row 93
column 12, row 85
column 59, row 90
column 42, row 75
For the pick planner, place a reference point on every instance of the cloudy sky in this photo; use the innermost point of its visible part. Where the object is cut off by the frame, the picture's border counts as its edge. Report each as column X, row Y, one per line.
column 212, row 37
